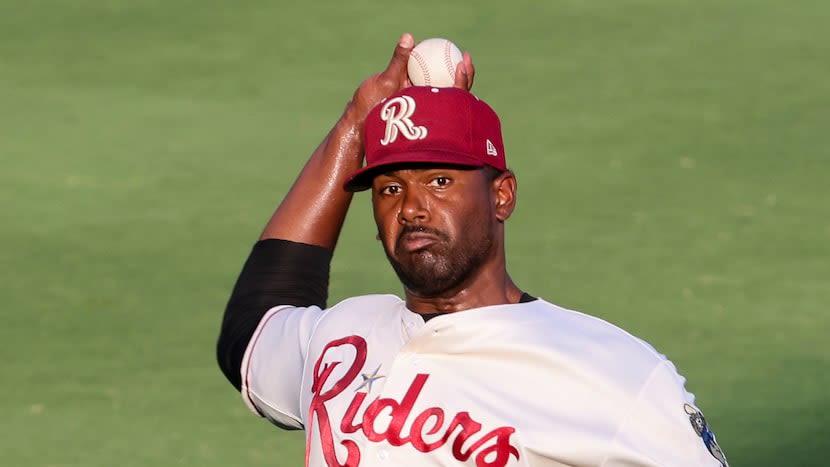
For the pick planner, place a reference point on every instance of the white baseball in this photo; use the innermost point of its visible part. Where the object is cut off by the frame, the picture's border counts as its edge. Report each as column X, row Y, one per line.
column 432, row 63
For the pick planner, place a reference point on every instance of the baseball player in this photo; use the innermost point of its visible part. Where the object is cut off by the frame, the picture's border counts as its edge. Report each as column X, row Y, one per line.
column 467, row 369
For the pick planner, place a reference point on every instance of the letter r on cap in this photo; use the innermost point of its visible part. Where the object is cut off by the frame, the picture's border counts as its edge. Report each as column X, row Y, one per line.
column 396, row 113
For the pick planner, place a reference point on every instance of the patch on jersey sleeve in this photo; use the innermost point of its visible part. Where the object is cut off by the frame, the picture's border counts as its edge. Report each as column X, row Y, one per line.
column 702, row 429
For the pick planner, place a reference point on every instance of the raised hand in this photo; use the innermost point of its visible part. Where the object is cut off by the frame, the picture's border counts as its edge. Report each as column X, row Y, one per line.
column 394, row 78
column 385, row 83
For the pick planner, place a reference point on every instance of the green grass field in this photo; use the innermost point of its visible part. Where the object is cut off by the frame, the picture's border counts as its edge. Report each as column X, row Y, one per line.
column 673, row 165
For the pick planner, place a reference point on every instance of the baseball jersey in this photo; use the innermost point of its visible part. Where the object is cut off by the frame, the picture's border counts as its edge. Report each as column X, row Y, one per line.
column 527, row 384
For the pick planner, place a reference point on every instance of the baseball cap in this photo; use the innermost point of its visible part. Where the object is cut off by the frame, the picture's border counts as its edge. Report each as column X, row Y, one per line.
column 429, row 125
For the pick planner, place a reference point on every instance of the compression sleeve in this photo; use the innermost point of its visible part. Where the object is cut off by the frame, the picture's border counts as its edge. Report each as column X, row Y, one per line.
column 277, row 272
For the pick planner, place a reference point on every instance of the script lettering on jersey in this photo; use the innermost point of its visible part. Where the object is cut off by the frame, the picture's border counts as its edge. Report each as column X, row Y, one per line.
column 428, row 430
column 396, row 112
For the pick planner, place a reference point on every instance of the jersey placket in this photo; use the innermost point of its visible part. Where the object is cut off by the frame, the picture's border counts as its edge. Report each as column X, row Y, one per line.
column 399, row 394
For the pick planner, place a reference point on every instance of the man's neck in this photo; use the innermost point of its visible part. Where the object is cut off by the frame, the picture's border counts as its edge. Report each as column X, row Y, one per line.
column 479, row 294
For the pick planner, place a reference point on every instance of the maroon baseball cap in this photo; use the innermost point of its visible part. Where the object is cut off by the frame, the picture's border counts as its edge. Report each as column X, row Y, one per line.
column 427, row 125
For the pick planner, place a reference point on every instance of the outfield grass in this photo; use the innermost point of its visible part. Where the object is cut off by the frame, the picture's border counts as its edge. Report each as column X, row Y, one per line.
column 672, row 159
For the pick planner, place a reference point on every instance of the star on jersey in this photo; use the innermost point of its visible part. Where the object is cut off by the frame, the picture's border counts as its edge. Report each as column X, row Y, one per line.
column 369, row 379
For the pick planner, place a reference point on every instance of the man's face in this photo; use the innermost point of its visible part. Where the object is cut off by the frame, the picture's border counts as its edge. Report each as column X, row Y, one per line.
column 436, row 224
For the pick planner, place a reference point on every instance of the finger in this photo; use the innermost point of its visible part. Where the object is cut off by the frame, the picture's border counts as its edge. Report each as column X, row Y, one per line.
column 397, row 65
column 461, row 79
column 464, row 73
column 471, row 69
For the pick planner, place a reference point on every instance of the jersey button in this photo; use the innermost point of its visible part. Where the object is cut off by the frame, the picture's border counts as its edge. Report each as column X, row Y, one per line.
column 383, row 455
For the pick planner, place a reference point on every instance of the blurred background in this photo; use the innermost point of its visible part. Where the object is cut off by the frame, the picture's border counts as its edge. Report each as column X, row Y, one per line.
column 672, row 162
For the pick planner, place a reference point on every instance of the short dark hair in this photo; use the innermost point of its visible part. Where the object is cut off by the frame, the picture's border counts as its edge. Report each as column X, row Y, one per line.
column 492, row 173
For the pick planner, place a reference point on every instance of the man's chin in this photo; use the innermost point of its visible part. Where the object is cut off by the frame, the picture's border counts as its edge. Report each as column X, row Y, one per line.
column 423, row 262
column 424, row 281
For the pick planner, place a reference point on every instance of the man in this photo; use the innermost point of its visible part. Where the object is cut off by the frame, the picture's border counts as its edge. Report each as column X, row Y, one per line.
column 468, row 369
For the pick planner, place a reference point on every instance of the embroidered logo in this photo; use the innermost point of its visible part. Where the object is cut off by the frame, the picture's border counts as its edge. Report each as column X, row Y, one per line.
column 396, row 113
column 345, row 421
column 491, row 149
column 368, row 380
column 702, row 429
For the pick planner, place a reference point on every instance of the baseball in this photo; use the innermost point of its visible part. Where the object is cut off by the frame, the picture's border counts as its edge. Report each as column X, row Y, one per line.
column 432, row 63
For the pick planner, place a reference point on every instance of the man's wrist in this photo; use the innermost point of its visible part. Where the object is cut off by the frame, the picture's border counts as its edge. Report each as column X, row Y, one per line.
column 353, row 115
column 349, row 128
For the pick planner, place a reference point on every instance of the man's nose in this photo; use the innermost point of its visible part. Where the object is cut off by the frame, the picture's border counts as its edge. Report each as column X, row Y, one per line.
column 413, row 208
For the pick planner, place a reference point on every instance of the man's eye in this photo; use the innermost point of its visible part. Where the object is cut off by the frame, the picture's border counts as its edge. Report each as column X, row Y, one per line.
column 390, row 190
column 440, row 181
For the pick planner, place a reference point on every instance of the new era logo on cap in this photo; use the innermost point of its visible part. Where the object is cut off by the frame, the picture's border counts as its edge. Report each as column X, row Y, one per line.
column 422, row 124
column 491, row 149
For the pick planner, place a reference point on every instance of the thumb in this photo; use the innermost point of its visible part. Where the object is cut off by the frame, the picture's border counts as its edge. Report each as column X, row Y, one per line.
column 400, row 58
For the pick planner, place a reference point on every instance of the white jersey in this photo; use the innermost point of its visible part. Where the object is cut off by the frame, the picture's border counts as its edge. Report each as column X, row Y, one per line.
column 528, row 384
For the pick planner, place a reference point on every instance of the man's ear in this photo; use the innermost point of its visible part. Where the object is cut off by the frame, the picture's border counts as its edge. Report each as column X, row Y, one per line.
column 504, row 194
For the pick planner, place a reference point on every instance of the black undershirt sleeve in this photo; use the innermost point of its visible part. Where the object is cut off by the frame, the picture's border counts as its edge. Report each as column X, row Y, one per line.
column 277, row 272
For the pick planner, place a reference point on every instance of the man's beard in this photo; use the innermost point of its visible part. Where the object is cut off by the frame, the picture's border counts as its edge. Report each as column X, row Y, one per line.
column 441, row 267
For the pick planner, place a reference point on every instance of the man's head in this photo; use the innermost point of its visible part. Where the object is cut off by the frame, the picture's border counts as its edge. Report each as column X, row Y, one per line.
column 441, row 190
column 428, row 125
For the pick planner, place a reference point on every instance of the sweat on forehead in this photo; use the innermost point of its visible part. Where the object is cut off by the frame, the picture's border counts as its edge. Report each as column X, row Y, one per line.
column 421, row 124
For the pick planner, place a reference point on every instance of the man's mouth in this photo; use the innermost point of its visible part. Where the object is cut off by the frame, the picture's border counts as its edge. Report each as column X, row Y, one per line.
column 414, row 238
column 414, row 241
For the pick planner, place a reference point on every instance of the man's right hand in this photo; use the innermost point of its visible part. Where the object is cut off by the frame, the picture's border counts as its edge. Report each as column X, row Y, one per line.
column 394, row 78
column 389, row 81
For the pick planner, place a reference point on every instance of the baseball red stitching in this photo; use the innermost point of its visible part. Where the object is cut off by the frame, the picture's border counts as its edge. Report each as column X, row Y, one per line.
column 422, row 66
column 448, row 59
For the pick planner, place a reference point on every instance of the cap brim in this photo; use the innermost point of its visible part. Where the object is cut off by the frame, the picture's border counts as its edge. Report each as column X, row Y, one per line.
column 362, row 179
